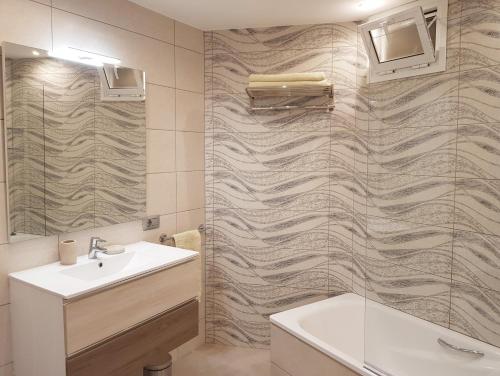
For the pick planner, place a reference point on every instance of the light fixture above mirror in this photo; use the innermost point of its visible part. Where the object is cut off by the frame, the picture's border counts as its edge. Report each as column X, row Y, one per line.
column 84, row 57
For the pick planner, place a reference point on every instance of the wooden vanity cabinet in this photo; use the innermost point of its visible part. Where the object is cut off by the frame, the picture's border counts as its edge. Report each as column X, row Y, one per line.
column 97, row 316
column 113, row 331
column 147, row 344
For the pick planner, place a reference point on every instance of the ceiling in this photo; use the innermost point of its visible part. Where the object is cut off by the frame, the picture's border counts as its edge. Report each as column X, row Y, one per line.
column 236, row 14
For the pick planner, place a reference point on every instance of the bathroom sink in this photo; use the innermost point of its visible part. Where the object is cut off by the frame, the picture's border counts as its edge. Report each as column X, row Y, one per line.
column 100, row 268
column 88, row 275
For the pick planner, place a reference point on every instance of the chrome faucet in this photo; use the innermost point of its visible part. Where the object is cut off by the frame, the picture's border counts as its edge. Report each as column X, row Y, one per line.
column 95, row 247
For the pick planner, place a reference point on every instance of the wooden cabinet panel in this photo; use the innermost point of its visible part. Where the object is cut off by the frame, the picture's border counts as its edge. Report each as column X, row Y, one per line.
column 92, row 319
column 147, row 344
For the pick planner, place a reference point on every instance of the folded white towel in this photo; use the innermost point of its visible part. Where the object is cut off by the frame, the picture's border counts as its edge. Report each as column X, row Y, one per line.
column 287, row 77
column 277, row 84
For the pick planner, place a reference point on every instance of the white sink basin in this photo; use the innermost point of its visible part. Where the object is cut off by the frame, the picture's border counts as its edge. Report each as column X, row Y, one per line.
column 100, row 268
column 88, row 275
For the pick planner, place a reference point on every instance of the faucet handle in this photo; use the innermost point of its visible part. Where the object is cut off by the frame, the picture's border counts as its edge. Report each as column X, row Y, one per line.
column 95, row 241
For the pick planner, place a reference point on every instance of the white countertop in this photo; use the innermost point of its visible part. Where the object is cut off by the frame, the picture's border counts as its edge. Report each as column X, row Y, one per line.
column 69, row 281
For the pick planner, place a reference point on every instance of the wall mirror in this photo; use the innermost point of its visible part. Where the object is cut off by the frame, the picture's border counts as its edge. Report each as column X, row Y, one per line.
column 75, row 141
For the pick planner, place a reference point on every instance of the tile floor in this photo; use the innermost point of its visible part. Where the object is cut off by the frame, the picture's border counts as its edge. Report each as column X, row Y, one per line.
column 217, row 360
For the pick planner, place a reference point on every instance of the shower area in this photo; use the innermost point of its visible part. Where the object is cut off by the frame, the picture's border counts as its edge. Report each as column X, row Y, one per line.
column 393, row 196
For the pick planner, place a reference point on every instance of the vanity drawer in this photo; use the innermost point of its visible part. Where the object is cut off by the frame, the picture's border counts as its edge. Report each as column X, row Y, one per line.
column 147, row 344
column 94, row 318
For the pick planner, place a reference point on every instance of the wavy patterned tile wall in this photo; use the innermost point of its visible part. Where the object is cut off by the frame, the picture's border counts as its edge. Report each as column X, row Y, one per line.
column 394, row 195
column 279, row 184
column 429, row 154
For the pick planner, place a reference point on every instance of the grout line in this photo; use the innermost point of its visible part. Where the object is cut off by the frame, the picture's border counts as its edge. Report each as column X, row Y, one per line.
column 188, row 49
column 456, row 168
column 51, row 26
column 129, row 30
column 173, row 130
column 213, row 180
column 175, row 136
column 41, row 3
column 354, row 169
column 7, row 364
column 116, row 26
column 329, row 262
column 190, row 91
column 174, row 88
column 325, row 49
column 172, row 172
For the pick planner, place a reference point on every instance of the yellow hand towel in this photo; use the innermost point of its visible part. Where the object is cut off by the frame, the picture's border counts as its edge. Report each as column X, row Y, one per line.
column 188, row 240
column 287, row 77
column 272, row 84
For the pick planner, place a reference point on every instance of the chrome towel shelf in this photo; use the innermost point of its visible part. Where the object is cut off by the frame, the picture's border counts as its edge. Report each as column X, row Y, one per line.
column 256, row 93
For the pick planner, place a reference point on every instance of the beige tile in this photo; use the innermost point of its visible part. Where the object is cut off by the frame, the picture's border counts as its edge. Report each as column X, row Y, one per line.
column 7, row 370
column 124, row 14
column 202, row 312
column 4, row 252
column 189, row 151
column 188, row 37
column 217, row 360
column 2, row 154
column 188, row 70
column 25, row 22
column 189, row 111
column 123, row 233
column 190, row 190
column 202, row 327
column 277, row 371
column 4, row 271
column 193, row 344
column 175, row 356
column 190, row 220
column 161, row 193
column 4, row 236
column 5, row 339
column 32, row 253
column 156, row 58
column 24, row 255
column 168, row 225
column 160, row 107
column 1, row 97
column 160, row 152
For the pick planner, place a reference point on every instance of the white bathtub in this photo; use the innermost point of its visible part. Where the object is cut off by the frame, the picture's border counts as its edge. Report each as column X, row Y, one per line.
column 397, row 344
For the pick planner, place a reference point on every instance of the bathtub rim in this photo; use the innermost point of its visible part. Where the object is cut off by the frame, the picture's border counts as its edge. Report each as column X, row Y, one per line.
column 295, row 314
column 289, row 321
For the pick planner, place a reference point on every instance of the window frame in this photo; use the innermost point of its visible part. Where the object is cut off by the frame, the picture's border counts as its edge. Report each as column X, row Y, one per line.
column 410, row 66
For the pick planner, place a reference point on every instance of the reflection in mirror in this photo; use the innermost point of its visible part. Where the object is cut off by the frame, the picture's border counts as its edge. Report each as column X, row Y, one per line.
column 75, row 160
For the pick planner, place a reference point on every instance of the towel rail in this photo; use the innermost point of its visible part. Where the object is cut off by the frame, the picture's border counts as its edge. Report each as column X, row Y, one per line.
column 289, row 92
column 164, row 238
column 329, row 107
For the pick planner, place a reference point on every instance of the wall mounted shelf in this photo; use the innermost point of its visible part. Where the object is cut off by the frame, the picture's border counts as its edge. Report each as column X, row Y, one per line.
column 256, row 93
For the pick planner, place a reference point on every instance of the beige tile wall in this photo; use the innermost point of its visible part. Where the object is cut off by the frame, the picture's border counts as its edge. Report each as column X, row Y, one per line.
column 171, row 54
